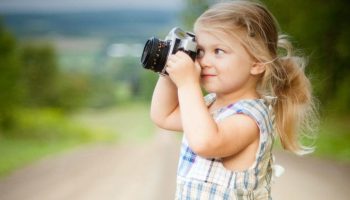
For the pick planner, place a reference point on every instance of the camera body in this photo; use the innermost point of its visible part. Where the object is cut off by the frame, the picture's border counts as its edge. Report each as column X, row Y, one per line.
column 156, row 52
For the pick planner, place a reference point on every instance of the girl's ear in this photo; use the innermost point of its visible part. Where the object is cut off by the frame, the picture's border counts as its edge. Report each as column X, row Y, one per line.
column 257, row 68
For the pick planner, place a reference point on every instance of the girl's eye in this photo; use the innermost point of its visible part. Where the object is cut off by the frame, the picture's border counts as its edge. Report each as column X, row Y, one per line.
column 219, row 51
column 200, row 53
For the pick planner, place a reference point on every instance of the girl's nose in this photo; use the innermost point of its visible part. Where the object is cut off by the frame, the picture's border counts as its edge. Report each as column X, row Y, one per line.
column 204, row 61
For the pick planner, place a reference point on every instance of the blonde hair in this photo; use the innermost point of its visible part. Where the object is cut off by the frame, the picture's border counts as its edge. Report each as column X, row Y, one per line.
column 284, row 77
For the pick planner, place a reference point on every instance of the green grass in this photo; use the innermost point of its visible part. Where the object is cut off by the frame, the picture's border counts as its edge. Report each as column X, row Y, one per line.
column 16, row 152
column 333, row 141
column 131, row 121
column 40, row 133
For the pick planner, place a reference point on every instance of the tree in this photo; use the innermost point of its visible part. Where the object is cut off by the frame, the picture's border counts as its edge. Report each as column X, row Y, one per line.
column 322, row 29
column 45, row 85
column 9, row 78
column 193, row 9
column 39, row 73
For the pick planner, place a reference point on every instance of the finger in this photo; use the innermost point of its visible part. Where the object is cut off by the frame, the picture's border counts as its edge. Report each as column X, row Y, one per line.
column 180, row 53
column 169, row 63
column 183, row 55
column 177, row 56
column 169, row 69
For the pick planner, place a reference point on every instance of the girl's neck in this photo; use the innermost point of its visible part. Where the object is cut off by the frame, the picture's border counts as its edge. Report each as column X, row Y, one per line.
column 226, row 99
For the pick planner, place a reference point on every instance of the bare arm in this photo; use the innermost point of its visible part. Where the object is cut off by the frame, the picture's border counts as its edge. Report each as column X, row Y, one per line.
column 165, row 111
column 206, row 137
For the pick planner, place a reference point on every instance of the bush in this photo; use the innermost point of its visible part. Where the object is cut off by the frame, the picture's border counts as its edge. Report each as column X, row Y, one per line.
column 51, row 124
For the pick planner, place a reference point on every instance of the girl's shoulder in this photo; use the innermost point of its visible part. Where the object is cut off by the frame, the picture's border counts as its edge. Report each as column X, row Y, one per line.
column 260, row 110
column 260, row 106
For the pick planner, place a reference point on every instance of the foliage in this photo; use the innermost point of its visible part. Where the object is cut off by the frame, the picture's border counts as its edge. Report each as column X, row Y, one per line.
column 9, row 78
column 40, row 74
column 147, row 82
column 30, row 77
column 334, row 138
column 322, row 29
column 193, row 9
column 44, row 84
column 47, row 124
column 72, row 90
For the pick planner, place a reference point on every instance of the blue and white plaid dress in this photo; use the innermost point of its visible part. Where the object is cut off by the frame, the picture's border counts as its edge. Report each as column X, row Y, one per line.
column 202, row 178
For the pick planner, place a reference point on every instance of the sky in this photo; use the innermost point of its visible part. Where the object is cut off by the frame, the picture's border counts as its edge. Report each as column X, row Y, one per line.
column 78, row 5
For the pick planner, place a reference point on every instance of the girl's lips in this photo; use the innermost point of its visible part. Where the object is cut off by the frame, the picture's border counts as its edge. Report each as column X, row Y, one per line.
column 207, row 75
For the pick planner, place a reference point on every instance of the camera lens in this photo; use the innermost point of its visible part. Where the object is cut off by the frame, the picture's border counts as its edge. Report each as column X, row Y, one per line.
column 155, row 54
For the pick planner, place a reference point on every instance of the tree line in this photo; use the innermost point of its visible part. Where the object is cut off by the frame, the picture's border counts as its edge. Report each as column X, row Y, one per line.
column 30, row 77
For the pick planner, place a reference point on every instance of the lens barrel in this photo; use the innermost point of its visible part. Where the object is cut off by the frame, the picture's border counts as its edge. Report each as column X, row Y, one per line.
column 155, row 54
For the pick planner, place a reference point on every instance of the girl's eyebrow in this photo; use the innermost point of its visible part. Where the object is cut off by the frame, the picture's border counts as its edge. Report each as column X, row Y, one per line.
column 199, row 45
column 216, row 45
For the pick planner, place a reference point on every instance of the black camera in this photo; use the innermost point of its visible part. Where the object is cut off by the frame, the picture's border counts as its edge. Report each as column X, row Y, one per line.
column 156, row 51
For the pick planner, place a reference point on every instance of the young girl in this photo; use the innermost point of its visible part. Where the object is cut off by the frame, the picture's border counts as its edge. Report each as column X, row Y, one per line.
column 254, row 94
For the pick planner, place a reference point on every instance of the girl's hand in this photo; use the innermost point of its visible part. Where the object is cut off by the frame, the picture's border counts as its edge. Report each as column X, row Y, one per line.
column 182, row 70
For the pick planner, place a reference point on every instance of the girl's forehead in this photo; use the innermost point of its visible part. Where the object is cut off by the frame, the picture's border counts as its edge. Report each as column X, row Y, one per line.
column 204, row 37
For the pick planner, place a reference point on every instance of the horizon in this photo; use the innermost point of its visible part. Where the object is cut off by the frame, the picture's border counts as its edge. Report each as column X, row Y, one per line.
column 63, row 6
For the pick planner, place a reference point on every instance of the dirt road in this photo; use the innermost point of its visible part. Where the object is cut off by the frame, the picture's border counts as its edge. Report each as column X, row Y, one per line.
column 146, row 171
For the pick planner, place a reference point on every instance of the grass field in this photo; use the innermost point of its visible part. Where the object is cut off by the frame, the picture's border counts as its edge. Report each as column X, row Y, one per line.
column 129, row 121
column 16, row 152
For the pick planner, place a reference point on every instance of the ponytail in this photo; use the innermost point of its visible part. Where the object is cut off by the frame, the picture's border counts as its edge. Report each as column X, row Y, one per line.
column 295, row 112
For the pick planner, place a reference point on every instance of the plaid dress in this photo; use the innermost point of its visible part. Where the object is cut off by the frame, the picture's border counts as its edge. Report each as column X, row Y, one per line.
column 202, row 178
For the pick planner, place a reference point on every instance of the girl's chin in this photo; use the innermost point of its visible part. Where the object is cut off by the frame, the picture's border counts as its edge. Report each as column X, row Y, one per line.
column 207, row 88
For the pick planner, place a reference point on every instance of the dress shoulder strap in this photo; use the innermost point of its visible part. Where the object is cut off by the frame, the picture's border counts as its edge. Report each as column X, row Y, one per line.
column 209, row 99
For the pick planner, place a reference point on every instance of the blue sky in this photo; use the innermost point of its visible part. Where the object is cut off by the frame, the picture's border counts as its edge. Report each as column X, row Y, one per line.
column 69, row 5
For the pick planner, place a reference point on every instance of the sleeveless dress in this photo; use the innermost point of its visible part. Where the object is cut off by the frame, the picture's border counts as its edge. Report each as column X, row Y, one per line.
column 202, row 178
